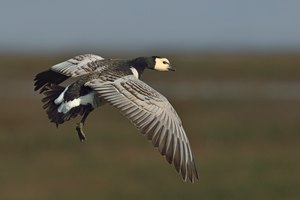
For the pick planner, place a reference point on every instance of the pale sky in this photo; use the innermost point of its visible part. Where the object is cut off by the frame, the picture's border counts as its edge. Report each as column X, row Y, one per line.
column 58, row 25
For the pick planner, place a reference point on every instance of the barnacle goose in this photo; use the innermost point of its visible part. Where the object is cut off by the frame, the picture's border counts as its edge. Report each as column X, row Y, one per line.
column 116, row 81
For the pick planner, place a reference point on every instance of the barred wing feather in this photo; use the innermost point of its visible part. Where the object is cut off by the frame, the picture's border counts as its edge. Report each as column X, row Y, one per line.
column 77, row 66
column 154, row 116
column 74, row 67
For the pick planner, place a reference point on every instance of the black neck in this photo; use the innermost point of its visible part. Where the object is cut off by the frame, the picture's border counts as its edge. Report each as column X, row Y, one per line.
column 140, row 64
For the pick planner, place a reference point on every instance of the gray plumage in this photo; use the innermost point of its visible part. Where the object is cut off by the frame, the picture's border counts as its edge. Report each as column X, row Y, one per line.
column 154, row 116
column 114, row 81
column 79, row 65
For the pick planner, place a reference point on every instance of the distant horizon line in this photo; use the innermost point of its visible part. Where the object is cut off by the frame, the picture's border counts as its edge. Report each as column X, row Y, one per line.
column 133, row 50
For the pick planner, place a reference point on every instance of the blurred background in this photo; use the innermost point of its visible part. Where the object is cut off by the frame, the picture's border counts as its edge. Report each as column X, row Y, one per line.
column 236, row 88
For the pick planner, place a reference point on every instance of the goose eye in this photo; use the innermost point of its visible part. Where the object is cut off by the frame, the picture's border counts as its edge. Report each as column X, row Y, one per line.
column 165, row 62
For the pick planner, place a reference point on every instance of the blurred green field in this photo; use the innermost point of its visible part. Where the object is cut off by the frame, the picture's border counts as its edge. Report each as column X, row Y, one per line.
column 244, row 148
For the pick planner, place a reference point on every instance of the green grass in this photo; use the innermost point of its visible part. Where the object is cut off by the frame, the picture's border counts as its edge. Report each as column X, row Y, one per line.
column 243, row 149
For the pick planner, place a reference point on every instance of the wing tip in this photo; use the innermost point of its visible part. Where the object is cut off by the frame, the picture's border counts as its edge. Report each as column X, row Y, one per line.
column 47, row 77
column 190, row 174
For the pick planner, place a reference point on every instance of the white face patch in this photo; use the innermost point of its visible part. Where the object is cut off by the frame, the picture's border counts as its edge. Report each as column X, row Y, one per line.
column 134, row 72
column 162, row 64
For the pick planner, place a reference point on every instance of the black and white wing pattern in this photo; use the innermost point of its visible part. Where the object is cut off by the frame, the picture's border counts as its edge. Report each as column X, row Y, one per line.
column 154, row 116
column 74, row 67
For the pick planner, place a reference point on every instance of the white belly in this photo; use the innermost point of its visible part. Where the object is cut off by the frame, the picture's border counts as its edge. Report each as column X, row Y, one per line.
column 66, row 106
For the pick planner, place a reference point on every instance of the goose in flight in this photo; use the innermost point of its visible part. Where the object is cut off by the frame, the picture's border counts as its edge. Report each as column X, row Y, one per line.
column 96, row 81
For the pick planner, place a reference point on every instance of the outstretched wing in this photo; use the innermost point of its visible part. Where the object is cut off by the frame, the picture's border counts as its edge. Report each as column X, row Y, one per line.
column 154, row 116
column 77, row 66
column 74, row 67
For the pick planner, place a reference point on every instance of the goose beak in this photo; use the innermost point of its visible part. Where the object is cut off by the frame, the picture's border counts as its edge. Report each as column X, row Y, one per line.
column 171, row 69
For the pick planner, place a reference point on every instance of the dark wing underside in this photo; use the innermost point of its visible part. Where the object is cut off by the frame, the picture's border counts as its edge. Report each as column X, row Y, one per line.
column 47, row 77
column 74, row 67
column 154, row 116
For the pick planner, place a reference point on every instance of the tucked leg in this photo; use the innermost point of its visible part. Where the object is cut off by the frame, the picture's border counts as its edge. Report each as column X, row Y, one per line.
column 79, row 127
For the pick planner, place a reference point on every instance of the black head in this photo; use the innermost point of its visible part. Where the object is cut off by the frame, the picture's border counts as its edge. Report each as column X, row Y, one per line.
column 155, row 63
column 161, row 64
